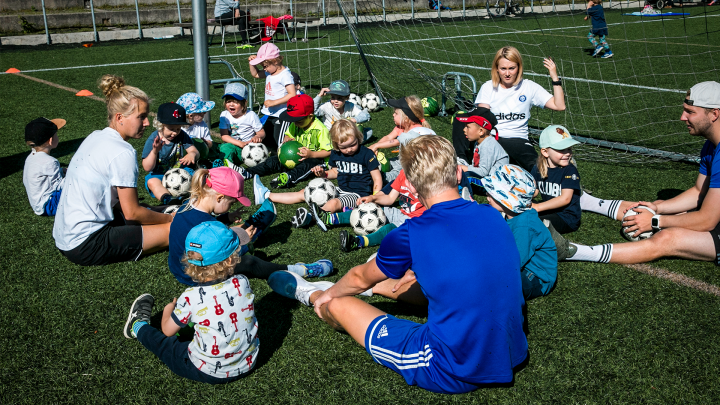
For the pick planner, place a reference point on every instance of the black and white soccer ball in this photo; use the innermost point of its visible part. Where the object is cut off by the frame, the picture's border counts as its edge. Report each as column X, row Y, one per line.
column 171, row 209
column 254, row 153
column 643, row 235
column 320, row 191
column 177, row 181
column 367, row 218
column 355, row 99
column 371, row 102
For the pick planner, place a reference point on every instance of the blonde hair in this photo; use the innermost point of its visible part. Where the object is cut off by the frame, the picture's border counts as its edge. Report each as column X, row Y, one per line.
column 513, row 55
column 542, row 164
column 218, row 271
column 243, row 104
column 342, row 130
column 120, row 98
column 416, row 106
column 199, row 189
column 430, row 164
column 274, row 61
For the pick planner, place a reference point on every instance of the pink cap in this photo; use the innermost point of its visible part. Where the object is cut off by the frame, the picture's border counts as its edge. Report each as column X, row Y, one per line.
column 227, row 181
column 267, row 51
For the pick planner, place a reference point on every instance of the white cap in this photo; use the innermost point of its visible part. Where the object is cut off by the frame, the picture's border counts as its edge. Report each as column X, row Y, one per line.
column 705, row 94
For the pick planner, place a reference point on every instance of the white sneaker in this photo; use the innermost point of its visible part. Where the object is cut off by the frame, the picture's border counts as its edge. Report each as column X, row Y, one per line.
column 291, row 285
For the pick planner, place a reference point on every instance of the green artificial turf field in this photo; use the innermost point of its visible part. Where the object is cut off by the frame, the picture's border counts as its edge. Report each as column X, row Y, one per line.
column 606, row 334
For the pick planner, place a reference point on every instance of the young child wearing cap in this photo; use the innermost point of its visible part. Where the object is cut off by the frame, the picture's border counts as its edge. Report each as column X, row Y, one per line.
column 488, row 155
column 169, row 146
column 339, row 107
column 510, row 190
column 238, row 125
column 354, row 166
column 42, row 176
column 304, row 128
column 298, row 83
column 196, row 108
column 213, row 192
column 225, row 344
column 558, row 180
column 279, row 88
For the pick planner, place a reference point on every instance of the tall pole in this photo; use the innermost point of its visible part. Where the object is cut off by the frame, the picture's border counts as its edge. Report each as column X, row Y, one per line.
column 180, row 17
column 137, row 14
column 92, row 14
column 200, row 48
column 47, row 33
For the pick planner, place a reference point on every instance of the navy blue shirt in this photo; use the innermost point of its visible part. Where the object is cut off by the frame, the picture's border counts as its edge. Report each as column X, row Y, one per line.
column 550, row 187
column 181, row 225
column 474, row 327
column 597, row 17
column 169, row 154
column 354, row 171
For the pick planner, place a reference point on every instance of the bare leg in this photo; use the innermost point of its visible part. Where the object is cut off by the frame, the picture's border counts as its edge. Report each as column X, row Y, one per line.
column 155, row 185
column 410, row 292
column 348, row 314
column 293, row 197
column 333, row 205
column 671, row 242
column 155, row 238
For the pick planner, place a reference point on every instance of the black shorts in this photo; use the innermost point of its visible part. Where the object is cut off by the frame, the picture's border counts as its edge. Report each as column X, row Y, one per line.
column 113, row 243
column 715, row 233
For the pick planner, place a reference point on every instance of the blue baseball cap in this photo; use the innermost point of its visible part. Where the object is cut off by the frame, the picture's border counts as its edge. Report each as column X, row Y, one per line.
column 213, row 240
column 237, row 91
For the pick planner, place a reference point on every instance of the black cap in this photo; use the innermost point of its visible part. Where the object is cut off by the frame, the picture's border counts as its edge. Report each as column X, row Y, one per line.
column 296, row 78
column 402, row 104
column 171, row 114
column 39, row 130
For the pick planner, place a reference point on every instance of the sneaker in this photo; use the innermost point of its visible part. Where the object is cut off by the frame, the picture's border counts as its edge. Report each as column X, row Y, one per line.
column 571, row 250
column 244, row 173
column 291, row 285
column 321, row 217
column 281, row 181
column 320, row 268
column 264, row 216
column 140, row 310
column 607, row 55
column 561, row 244
column 218, row 163
column 598, row 49
column 466, row 194
column 348, row 242
column 302, row 219
column 259, row 190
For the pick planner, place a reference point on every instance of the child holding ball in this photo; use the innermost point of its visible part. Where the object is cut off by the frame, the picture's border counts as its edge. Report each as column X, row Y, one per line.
column 42, row 176
column 558, row 180
column 238, row 125
column 166, row 148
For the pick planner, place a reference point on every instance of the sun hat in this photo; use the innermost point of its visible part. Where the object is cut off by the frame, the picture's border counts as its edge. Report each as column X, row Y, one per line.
column 194, row 104
column 511, row 186
column 267, row 51
column 171, row 114
column 39, row 130
column 213, row 240
column 298, row 107
column 238, row 91
column 704, row 94
column 556, row 137
column 227, row 181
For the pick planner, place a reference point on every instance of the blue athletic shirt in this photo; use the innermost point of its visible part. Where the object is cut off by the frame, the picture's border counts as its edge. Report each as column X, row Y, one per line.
column 354, row 171
column 710, row 163
column 538, row 253
column 550, row 187
column 169, row 153
column 179, row 229
column 597, row 17
column 468, row 266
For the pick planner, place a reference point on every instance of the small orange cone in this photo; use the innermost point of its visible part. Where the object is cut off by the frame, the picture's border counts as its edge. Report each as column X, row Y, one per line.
column 84, row 93
column 12, row 70
column 87, row 45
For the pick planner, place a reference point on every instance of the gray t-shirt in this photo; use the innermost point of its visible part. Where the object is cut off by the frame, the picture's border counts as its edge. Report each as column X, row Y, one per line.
column 487, row 156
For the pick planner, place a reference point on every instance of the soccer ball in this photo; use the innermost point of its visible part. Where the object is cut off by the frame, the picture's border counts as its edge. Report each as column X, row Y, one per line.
column 367, row 218
column 320, row 191
column 177, row 181
column 643, row 235
column 170, row 209
column 355, row 99
column 254, row 153
column 288, row 154
column 371, row 102
column 430, row 106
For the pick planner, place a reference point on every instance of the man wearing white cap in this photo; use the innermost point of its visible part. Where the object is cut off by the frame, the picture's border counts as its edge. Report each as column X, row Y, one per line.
column 687, row 226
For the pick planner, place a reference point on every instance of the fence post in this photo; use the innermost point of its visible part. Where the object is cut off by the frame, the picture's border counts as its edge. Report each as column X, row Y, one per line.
column 355, row 6
column 200, row 51
column 463, row 8
column 137, row 14
column 384, row 16
column 182, row 31
column 291, row 9
column 412, row 9
column 324, row 17
column 92, row 14
column 47, row 33
column 531, row 6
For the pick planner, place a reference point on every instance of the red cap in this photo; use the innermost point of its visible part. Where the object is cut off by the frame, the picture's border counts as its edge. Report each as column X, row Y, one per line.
column 298, row 107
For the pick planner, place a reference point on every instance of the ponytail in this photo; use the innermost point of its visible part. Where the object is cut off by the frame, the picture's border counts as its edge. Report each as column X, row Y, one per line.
column 198, row 186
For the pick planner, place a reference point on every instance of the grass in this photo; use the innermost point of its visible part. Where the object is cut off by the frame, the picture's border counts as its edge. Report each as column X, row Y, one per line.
column 606, row 334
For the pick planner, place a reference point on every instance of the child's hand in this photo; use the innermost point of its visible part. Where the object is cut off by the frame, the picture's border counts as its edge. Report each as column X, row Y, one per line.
column 373, row 148
column 187, row 160
column 269, row 103
column 235, row 217
column 319, row 171
column 158, row 143
column 323, row 91
column 244, row 144
column 586, row 17
column 304, row 153
column 251, row 57
column 366, row 199
column 256, row 139
column 251, row 231
column 551, row 67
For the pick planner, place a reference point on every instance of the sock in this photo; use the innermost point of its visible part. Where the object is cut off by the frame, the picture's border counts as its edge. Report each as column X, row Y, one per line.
column 367, row 293
column 376, row 237
column 297, row 269
column 136, row 327
column 361, row 241
column 597, row 253
column 333, row 219
column 344, row 217
column 165, row 199
column 609, row 208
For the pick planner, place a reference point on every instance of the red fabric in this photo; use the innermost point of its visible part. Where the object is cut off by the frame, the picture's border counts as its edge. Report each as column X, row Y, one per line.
column 410, row 205
column 271, row 24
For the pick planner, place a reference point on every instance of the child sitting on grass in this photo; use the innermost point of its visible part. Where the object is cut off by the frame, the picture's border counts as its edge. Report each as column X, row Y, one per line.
column 354, row 166
column 164, row 150
column 238, row 125
column 213, row 192
column 488, row 155
column 339, row 107
column 42, row 176
column 510, row 190
column 304, row 128
column 196, row 108
column 599, row 29
column 225, row 344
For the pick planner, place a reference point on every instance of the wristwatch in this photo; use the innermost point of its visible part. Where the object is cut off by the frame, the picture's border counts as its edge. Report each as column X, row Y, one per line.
column 558, row 82
column 655, row 223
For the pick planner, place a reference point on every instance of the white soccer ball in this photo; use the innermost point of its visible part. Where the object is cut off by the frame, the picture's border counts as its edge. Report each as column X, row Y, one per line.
column 320, row 191
column 170, row 209
column 254, row 153
column 367, row 218
column 177, row 181
column 371, row 102
column 354, row 99
column 643, row 235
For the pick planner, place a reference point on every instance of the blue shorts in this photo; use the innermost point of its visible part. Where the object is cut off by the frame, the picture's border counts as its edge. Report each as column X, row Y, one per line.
column 50, row 207
column 400, row 345
column 153, row 176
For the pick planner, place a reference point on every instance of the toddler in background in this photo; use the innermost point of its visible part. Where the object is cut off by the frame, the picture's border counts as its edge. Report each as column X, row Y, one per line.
column 196, row 108
column 238, row 125
column 42, row 176
column 599, row 29
column 339, row 107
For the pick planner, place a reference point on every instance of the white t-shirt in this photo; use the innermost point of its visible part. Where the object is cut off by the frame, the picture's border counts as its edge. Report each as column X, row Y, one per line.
column 275, row 89
column 41, row 176
column 103, row 162
column 328, row 114
column 414, row 133
column 243, row 128
column 199, row 131
column 512, row 106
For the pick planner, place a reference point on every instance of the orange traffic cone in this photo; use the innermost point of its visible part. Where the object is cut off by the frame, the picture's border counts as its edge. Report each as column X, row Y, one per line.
column 12, row 70
column 84, row 93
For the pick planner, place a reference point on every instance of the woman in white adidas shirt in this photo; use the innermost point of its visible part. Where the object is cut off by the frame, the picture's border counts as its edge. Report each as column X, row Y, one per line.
column 510, row 98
